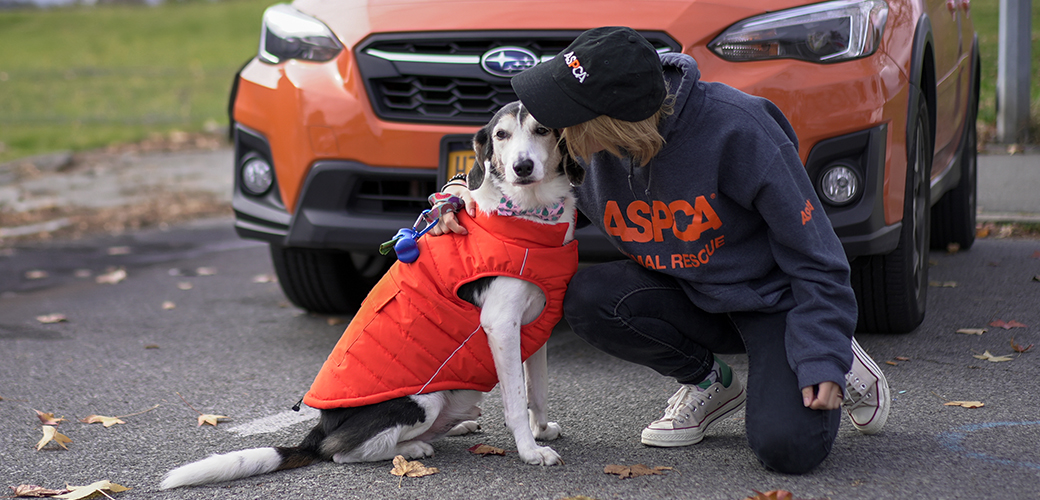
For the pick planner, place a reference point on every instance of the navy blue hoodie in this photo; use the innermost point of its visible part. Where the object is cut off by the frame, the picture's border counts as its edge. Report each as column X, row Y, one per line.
column 727, row 208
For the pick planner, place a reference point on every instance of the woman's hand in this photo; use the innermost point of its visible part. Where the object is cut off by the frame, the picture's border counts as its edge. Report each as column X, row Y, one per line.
column 450, row 223
column 826, row 396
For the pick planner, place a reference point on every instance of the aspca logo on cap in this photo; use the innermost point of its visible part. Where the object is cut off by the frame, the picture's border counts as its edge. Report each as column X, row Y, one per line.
column 507, row 61
column 575, row 65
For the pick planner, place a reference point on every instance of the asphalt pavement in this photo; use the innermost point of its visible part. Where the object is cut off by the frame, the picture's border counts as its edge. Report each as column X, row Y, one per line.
column 230, row 345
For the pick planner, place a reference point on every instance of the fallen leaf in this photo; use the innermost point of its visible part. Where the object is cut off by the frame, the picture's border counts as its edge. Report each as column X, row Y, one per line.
column 982, row 232
column 168, row 305
column 966, row 404
column 942, row 284
column 485, row 450
column 211, row 419
column 103, row 420
column 52, row 318
column 36, row 274
column 1007, row 325
column 151, row 346
column 953, row 248
column 77, row 492
column 264, row 278
column 893, row 363
column 404, row 468
column 625, row 471
column 111, row 278
column 902, row 358
column 1018, row 348
column 772, row 495
column 184, row 285
column 206, row 271
column 48, row 418
column 1036, row 255
column 333, row 321
column 83, row 273
column 121, row 250
column 1036, row 278
column 995, row 359
column 51, row 433
column 34, row 491
column 972, row 331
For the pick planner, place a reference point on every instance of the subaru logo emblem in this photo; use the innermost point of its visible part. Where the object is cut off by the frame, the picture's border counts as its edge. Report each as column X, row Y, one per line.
column 507, row 61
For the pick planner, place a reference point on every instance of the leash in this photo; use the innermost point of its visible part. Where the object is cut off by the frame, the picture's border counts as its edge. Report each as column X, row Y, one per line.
column 404, row 243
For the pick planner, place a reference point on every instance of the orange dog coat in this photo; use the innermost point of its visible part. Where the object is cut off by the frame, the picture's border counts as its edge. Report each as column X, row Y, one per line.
column 414, row 335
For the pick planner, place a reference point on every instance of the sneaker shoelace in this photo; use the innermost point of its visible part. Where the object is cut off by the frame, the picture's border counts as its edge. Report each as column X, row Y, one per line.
column 684, row 403
column 857, row 394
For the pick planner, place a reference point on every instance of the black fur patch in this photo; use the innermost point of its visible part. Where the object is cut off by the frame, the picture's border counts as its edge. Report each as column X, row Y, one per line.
column 343, row 429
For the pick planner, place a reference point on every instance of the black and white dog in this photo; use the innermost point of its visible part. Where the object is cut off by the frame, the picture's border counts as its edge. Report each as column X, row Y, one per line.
column 517, row 159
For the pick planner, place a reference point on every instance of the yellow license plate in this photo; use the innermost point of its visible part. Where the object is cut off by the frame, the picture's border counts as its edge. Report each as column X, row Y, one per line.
column 460, row 162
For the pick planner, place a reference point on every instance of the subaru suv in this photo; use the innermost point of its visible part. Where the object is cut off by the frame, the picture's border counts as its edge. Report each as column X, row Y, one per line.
column 352, row 112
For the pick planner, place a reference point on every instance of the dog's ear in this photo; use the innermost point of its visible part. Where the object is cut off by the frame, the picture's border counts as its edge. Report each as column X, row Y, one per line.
column 483, row 148
column 575, row 172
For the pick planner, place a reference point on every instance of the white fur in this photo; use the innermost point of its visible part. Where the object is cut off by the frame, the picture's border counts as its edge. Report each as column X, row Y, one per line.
column 506, row 304
column 215, row 468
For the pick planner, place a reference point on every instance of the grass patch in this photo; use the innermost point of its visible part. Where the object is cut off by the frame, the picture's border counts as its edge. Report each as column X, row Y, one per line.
column 86, row 77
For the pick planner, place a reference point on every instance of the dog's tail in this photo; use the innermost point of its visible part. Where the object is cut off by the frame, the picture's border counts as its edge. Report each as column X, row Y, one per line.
column 238, row 464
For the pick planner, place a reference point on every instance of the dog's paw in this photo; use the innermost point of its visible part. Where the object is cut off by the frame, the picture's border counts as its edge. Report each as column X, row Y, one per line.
column 415, row 449
column 465, row 427
column 548, row 433
column 540, row 455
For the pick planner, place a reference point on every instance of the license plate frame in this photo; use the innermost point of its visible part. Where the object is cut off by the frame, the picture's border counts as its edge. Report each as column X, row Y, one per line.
column 456, row 156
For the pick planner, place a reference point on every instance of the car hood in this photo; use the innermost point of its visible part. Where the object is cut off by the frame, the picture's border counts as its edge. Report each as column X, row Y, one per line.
column 690, row 22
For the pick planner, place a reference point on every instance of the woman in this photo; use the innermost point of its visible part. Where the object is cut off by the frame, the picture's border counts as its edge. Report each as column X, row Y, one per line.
column 702, row 187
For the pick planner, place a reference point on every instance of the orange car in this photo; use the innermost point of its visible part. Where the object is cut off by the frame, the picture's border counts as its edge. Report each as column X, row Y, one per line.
column 353, row 111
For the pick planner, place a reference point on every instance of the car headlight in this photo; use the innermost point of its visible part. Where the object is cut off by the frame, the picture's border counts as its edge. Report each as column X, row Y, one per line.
column 821, row 33
column 290, row 34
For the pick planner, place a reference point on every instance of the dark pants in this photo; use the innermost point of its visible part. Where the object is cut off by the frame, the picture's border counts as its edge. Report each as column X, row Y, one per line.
column 644, row 317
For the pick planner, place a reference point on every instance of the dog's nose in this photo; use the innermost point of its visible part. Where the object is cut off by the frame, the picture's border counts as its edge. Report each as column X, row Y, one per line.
column 523, row 168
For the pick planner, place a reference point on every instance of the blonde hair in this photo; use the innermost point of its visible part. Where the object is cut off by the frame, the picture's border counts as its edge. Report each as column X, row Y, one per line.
column 640, row 140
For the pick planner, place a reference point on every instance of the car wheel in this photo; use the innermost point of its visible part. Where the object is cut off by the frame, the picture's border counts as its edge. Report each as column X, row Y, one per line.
column 891, row 289
column 953, row 217
column 326, row 281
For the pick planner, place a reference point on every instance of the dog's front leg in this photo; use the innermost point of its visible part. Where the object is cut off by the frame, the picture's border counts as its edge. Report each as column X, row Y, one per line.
column 536, row 369
column 501, row 320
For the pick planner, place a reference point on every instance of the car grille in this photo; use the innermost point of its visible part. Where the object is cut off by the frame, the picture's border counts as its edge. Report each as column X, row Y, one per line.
column 437, row 77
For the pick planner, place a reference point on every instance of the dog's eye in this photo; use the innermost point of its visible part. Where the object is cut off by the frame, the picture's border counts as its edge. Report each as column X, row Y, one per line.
column 501, row 134
column 542, row 131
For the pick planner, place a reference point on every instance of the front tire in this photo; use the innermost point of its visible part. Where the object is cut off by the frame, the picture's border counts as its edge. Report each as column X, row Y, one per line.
column 327, row 281
column 891, row 290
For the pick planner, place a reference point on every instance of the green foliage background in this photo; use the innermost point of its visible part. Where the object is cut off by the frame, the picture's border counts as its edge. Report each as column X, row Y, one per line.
column 84, row 77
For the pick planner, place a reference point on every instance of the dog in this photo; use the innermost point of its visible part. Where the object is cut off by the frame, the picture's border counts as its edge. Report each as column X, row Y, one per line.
column 522, row 173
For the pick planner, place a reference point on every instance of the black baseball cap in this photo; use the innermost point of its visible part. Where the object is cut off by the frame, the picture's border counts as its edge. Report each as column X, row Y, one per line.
column 609, row 71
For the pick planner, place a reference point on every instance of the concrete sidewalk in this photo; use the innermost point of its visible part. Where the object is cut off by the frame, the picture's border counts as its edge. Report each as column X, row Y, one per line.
column 1008, row 185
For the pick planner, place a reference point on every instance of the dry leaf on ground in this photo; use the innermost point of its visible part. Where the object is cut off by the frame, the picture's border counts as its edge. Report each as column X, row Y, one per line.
column 1019, row 348
column 211, row 419
column 111, row 278
column 34, row 491
column 626, row 471
column 264, row 278
column 206, row 271
column 50, row 433
column 48, row 319
column 36, row 274
column 483, row 449
column 77, row 492
column 168, row 305
column 966, row 404
column 772, row 495
column 942, row 284
column 991, row 358
column 1007, row 325
column 103, row 420
column 404, row 468
column 972, row 331
column 48, row 418
column 335, row 320
column 184, row 285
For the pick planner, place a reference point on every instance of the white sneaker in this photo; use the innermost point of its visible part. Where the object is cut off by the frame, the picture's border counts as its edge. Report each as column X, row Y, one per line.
column 693, row 410
column 867, row 399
